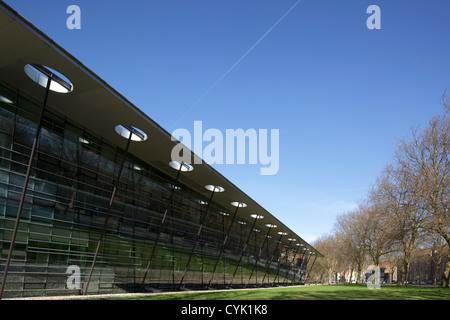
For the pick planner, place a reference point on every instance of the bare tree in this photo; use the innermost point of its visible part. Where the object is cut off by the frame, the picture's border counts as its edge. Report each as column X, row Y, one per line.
column 329, row 265
column 395, row 194
column 446, row 102
column 381, row 232
column 352, row 230
column 409, row 201
column 425, row 160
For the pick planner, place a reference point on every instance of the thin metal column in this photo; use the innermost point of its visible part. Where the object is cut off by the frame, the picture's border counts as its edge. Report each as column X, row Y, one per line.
column 312, row 266
column 170, row 205
column 290, row 266
column 243, row 248
column 273, row 254
column 25, row 186
column 202, row 219
column 299, row 268
column 224, row 243
column 305, row 264
column 302, row 264
column 113, row 194
column 279, row 265
column 262, row 247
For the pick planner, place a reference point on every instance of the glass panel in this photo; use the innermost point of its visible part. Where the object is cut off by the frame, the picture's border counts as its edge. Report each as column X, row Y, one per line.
column 6, row 120
column 2, row 210
column 28, row 110
column 68, row 198
column 7, row 98
column 5, row 151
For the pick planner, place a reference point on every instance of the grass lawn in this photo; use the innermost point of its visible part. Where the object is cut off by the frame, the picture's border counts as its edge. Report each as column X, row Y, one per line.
column 333, row 292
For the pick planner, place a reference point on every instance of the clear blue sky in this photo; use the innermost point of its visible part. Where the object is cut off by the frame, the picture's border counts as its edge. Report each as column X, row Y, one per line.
column 339, row 93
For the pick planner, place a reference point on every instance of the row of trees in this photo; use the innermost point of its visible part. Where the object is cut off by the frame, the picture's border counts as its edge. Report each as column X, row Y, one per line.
column 406, row 209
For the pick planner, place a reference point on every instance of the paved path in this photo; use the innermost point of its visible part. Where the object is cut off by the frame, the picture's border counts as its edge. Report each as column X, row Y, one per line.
column 120, row 295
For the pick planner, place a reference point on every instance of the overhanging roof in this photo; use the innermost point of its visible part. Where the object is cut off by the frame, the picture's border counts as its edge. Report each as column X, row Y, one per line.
column 97, row 106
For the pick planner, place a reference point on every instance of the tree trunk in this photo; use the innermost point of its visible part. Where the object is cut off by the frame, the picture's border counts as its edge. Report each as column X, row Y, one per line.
column 446, row 274
column 404, row 270
column 358, row 276
column 351, row 276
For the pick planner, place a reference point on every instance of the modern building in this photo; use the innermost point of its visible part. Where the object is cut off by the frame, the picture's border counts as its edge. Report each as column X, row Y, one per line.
column 106, row 209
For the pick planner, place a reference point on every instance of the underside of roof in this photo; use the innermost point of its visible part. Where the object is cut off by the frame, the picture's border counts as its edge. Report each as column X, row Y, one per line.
column 97, row 106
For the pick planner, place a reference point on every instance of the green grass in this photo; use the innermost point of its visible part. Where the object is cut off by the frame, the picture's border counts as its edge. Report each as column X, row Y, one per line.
column 333, row 292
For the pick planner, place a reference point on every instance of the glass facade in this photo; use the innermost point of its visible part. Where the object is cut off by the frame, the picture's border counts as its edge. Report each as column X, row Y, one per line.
column 65, row 207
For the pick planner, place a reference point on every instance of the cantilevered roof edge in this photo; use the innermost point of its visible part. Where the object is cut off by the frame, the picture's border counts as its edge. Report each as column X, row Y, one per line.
column 78, row 64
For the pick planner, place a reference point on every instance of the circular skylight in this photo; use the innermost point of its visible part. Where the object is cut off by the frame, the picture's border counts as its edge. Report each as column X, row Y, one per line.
column 238, row 204
column 257, row 216
column 83, row 140
column 211, row 187
column 41, row 75
column 126, row 131
column 5, row 100
column 183, row 166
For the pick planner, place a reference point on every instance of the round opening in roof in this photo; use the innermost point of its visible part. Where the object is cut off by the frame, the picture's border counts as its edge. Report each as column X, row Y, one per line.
column 257, row 216
column 238, row 204
column 183, row 166
column 211, row 187
column 6, row 100
column 41, row 75
column 83, row 140
column 126, row 131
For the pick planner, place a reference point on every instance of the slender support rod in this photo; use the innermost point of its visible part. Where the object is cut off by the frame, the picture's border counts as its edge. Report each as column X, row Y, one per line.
column 197, row 237
column 113, row 194
column 295, row 273
column 25, row 186
column 271, row 257
column 290, row 266
column 243, row 249
column 257, row 258
column 223, row 244
column 162, row 224
column 302, row 264
column 279, row 266
column 312, row 266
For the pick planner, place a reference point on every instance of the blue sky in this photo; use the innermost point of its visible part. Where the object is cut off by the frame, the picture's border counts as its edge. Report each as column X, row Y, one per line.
column 340, row 94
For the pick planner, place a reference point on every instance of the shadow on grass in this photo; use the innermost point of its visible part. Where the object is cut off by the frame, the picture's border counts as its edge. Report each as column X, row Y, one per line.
column 333, row 292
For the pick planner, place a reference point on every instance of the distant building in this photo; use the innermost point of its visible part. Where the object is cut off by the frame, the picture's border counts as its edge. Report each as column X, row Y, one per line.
column 426, row 268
